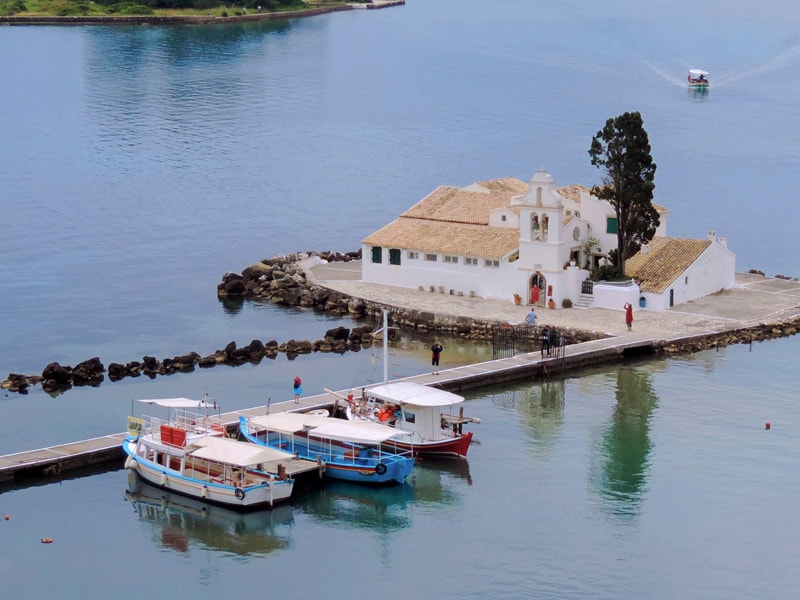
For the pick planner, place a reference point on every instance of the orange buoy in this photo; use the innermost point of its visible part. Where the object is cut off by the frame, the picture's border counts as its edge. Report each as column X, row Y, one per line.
column 767, row 425
column 47, row 540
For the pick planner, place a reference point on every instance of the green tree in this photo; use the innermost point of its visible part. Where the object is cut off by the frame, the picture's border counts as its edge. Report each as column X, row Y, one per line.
column 622, row 151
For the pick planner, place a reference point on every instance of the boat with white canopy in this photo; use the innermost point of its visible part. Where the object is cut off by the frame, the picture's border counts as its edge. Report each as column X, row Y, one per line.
column 698, row 78
column 357, row 451
column 422, row 411
column 188, row 454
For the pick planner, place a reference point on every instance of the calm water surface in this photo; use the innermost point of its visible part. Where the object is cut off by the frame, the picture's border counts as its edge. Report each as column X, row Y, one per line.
column 652, row 479
column 140, row 164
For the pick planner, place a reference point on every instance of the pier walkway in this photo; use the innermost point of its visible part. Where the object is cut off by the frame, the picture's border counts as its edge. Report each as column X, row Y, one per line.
column 755, row 300
column 52, row 461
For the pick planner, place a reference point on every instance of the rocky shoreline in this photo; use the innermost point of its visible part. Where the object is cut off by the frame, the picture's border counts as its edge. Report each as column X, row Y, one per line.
column 186, row 19
column 282, row 280
column 164, row 19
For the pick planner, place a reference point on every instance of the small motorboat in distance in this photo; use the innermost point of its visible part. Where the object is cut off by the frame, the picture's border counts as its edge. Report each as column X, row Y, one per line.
column 698, row 78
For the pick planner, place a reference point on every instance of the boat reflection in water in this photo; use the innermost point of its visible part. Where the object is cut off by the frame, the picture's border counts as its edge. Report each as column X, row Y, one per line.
column 180, row 523
column 433, row 482
column 699, row 94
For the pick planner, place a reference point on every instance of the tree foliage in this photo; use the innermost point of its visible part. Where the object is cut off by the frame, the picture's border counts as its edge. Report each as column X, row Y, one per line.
column 622, row 151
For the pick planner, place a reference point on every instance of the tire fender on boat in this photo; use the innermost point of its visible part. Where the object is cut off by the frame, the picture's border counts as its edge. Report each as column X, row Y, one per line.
column 240, row 493
column 380, row 468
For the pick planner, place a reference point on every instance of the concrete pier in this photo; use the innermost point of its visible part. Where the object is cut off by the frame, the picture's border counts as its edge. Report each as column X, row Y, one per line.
column 53, row 461
column 756, row 301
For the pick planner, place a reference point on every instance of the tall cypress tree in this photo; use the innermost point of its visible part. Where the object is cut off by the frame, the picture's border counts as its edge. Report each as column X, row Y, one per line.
column 622, row 151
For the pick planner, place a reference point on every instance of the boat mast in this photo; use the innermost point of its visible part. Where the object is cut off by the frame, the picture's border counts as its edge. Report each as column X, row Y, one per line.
column 385, row 346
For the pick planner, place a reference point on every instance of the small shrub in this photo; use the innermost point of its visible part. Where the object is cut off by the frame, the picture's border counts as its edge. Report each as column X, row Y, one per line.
column 566, row 303
column 12, row 8
column 606, row 273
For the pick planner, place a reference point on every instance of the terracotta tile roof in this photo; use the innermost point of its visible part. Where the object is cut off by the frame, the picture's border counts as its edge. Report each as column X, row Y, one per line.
column 453, row 220
column 506, row 184
column 664, row 262
column 439, row 237
column 456, row 205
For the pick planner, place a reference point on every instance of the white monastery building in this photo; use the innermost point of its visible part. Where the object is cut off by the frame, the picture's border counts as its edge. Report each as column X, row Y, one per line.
column 504, row 238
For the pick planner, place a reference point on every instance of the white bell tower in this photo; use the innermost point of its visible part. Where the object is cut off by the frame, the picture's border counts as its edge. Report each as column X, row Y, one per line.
column 541, row 213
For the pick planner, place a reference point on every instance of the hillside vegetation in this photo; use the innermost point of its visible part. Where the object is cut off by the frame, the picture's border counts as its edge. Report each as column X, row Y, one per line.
column 99, row 8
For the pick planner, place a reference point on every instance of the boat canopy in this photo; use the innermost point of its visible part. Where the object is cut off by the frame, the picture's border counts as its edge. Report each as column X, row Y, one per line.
column 696, row 73
column 287, row 422
column 408, row 392
column 177, row 403
column 237, row 454
column 365, row 432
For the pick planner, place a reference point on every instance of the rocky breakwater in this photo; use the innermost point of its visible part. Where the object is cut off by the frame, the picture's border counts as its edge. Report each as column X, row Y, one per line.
column 57, row 378
column 757, row 333
column 283, row 281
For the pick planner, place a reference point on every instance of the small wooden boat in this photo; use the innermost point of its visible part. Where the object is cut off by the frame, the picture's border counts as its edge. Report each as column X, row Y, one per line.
column 188, row 454
column 357, row 451
column 698, row 78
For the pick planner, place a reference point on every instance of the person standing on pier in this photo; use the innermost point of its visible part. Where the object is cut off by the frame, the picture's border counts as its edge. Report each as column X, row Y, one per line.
column 545, row 341
column 297, row 388
column 436, row 351
column 628, row 315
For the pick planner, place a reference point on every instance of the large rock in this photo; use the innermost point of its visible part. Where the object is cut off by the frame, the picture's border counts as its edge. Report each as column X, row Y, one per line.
column 338, row 333
column 234, row 287
column 57, row 374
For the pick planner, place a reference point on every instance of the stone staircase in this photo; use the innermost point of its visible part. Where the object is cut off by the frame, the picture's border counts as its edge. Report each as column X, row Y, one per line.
column 584, row 301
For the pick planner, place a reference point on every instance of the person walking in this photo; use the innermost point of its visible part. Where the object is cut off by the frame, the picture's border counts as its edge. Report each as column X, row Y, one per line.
column 298, row 389
column 531, row 318
column 628, row 315
column 436, row 351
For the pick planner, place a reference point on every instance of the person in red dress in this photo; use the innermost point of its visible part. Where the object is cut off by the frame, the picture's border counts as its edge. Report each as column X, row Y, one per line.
column 628, row 315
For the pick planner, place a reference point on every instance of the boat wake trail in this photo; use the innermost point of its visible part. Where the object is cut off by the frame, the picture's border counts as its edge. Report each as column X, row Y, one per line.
column 667, row 77
column 773, row 64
